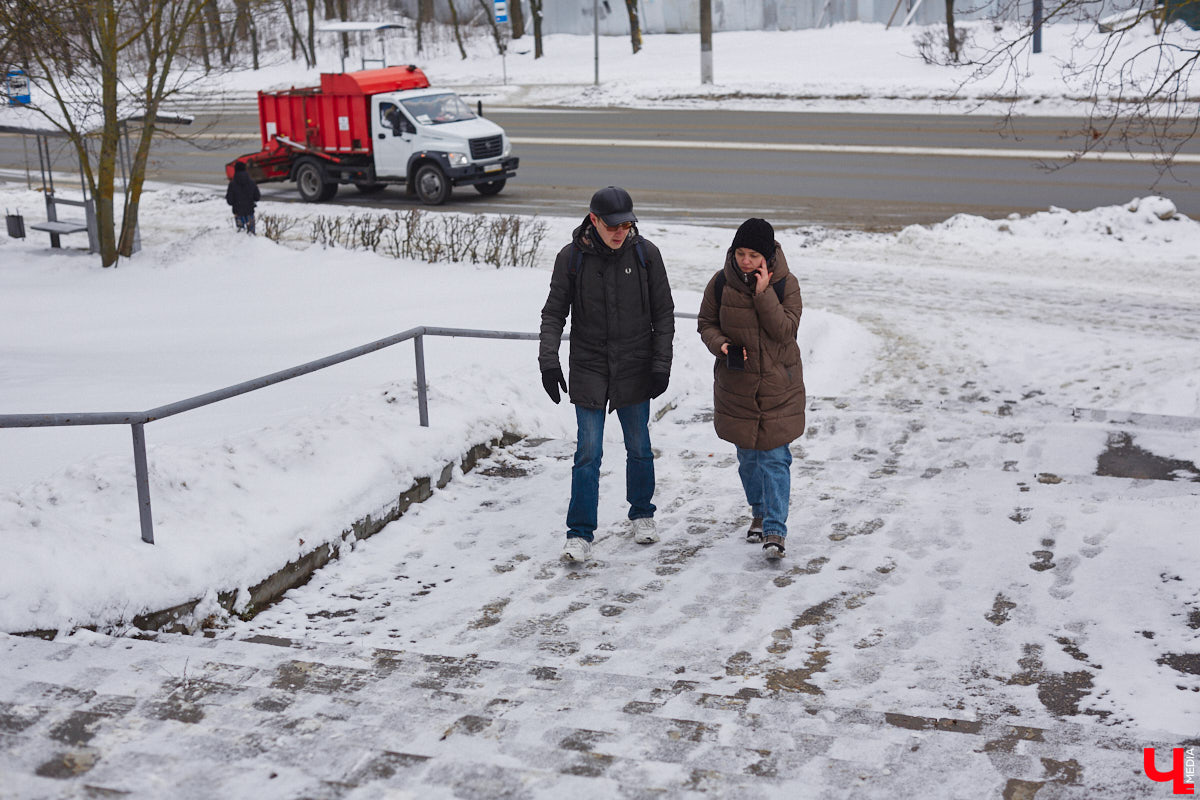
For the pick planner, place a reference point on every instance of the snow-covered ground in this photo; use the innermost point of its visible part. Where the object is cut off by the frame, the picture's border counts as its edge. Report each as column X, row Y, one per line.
column 954, row 355
column 846, row 67
column 965, row 539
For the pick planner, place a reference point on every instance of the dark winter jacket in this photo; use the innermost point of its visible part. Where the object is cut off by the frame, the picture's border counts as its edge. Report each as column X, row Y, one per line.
column 761, row 407
column 242, row 194
column 622, row 319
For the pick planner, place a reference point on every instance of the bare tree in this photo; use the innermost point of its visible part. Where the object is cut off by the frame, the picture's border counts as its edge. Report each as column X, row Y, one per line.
column 103, row 63
column 635, row 26
column 297, row 38
column 1132, row 70
column 457, row 31
column 216, row 34
column 496, row 32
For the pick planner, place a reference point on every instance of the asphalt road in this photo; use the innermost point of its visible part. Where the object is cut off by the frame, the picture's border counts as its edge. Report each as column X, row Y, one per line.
column 866, row 171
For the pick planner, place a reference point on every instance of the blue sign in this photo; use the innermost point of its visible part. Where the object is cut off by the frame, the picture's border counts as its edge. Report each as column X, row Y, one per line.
column 502, row 10
column 17, row 87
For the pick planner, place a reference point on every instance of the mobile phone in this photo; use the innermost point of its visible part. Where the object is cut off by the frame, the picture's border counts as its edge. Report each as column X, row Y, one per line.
column 735, row 359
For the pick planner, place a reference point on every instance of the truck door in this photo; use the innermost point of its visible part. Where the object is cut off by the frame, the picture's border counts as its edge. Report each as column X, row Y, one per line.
column 394, row 135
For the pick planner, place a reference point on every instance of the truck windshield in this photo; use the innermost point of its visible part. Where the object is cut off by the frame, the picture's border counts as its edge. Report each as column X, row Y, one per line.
column 436, row 109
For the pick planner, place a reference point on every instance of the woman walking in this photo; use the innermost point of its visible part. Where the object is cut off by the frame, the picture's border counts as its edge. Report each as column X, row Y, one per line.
column 748, row 320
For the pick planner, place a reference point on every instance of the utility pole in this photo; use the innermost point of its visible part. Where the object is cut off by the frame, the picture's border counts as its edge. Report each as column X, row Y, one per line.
column 596, row 38
column 706, row 41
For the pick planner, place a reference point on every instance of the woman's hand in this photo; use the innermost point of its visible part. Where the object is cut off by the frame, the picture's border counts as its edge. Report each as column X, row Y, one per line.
column 725, row 349
column 762, row 277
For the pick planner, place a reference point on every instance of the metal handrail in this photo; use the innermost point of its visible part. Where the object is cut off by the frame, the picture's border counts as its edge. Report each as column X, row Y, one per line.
column 137, row 419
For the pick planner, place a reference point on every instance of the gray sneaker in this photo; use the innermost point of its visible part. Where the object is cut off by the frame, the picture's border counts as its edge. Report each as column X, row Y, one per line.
column 576, row 550
column 773, row 546
column 645, row 531
column 755, row 535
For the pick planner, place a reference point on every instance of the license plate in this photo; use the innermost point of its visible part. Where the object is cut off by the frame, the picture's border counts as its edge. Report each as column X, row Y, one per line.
column 493, row 168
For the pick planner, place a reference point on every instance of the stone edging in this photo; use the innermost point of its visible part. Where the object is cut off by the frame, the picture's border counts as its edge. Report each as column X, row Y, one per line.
column 298, row 572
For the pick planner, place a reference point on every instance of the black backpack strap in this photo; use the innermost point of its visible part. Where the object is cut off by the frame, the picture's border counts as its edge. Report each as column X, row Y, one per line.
column 640, row 252
column 576, row 260
column 573, row 267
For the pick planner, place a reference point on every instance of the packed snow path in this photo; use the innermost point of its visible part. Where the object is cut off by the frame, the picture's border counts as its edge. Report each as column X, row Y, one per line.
column 944, row 625
column 990, row 590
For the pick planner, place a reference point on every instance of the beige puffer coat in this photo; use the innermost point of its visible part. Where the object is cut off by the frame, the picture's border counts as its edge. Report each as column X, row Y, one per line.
column 762, row 407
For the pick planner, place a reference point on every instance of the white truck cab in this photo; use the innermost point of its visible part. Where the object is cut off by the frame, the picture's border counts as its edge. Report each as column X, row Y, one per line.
column 432, row 139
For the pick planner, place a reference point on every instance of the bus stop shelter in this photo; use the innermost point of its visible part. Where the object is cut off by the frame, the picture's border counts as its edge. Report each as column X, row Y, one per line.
column 70, row 213
column 359, row 28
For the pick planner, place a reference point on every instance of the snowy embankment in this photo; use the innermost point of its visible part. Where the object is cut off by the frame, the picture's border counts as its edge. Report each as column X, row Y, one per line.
column 859, row 67
column 241, row 488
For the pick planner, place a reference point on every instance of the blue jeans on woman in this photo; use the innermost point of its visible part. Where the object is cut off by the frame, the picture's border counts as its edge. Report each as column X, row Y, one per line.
column 767, row 478
column 585, row 475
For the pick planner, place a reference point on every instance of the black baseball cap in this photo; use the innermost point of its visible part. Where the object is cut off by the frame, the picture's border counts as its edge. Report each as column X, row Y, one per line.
column 613, row 205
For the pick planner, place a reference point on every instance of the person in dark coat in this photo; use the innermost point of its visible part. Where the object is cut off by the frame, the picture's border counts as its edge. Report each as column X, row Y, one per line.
column 758, row 386
column 614, row 285
column 242, row 194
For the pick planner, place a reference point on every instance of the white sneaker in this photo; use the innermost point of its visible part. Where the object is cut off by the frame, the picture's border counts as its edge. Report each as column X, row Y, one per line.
column 645, row 531
column 576, row 549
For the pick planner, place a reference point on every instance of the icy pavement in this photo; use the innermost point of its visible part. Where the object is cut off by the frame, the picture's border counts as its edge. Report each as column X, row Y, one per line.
column 947, row 623
column 990, row 588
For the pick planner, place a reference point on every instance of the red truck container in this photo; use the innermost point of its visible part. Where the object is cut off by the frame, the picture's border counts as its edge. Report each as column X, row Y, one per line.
column 332, row 117
column 327, row 135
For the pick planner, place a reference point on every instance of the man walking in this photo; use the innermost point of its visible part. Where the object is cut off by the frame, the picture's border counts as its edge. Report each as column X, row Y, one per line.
column 614, row 285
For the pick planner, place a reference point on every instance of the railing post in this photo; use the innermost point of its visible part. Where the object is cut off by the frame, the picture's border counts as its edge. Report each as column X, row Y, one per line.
column 422, row 395
column 143, row 482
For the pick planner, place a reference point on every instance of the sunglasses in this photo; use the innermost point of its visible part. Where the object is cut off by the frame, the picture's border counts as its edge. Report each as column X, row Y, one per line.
column 623, row 226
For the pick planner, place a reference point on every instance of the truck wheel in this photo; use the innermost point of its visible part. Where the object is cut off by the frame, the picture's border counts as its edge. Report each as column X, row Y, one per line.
column 311, row 184
column 490, row 188
column 370, row 188
column 432, row 187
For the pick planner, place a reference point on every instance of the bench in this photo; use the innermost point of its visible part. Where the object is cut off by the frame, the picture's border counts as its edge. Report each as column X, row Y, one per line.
column 58, row 227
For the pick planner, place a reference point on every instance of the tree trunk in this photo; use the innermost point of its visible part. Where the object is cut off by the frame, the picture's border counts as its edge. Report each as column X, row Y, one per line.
column 635, row 27
column 311, row 10
column 215, row 31
column 535, row 10
column 951, row 40
column 457, row 32
column 344, row 14
column 254, row 43
column 202, row 40
column 516, row 16
column 424, row 16
column 107, row 37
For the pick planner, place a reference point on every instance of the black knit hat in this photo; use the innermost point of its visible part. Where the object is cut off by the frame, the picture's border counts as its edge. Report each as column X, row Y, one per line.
column 757, row 235
column 613, row 205
column 239, row 166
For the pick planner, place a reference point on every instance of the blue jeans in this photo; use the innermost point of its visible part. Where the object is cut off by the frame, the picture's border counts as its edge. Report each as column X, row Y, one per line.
column 244, row 222
column 767, row 478
column 585, row 475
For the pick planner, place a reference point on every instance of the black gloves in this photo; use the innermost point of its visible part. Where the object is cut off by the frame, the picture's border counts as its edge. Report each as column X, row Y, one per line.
column 658, row 383
column 551, row 380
